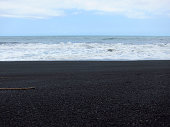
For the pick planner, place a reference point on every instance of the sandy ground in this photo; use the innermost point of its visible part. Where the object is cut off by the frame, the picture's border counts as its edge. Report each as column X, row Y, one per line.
column 85, row 94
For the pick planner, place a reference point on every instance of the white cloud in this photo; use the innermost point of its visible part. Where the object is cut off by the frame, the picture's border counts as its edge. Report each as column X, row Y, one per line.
column 51, row 8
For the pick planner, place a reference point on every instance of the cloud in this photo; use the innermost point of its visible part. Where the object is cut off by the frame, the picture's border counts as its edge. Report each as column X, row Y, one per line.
column 52, row 8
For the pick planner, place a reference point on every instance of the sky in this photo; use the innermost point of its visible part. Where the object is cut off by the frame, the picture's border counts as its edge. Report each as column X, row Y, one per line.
column 84, row 17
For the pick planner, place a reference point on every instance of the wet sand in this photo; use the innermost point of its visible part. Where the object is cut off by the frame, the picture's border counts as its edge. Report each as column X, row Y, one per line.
column 85, row 94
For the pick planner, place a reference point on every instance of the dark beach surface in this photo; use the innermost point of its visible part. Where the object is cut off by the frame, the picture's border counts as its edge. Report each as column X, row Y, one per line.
column 134, row 93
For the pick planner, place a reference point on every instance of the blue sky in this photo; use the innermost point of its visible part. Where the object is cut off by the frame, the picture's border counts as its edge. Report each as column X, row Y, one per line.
column 90, row 17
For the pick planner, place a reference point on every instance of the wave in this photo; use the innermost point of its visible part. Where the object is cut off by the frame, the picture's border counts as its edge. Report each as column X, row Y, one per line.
column 83, row 51
column 109, row 38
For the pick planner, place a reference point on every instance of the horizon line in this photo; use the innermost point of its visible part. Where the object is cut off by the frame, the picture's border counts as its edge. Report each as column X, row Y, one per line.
column 82, row 35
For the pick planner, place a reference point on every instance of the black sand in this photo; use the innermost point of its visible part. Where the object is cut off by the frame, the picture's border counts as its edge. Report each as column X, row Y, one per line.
column 85, row 94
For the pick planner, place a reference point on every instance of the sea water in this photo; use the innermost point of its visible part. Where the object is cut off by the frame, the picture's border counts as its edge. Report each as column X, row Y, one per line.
column 80, row 48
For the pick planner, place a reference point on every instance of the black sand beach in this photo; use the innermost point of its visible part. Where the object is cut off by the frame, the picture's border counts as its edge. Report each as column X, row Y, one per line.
column 85, row 94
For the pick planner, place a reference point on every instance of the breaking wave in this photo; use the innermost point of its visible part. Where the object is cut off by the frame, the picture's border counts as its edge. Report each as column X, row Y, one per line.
column 83, row 51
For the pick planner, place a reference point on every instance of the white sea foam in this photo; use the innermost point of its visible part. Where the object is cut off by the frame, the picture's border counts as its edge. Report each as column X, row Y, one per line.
column 83, row 51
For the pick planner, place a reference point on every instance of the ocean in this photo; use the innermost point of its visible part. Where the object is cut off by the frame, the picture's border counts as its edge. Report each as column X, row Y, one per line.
column 81, row 48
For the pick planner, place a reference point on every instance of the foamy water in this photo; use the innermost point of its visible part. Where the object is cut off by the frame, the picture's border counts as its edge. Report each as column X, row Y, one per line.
column 100, row 48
